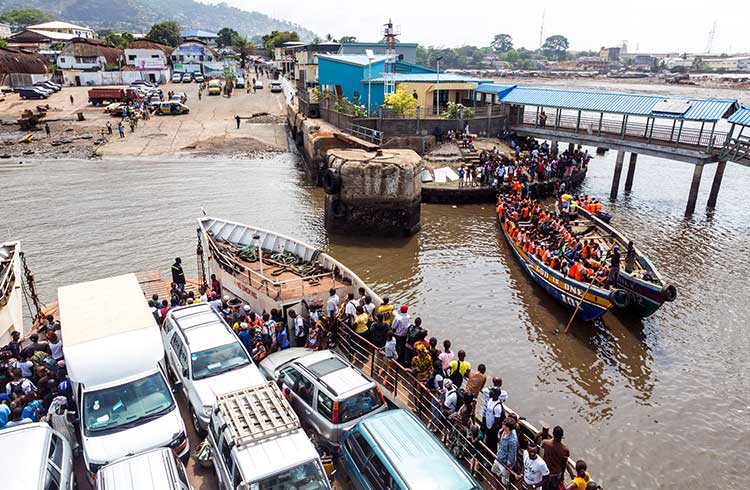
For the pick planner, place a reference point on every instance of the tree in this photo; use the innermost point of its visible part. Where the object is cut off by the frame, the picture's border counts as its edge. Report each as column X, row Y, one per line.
column 228, row 37
column 277, row 38
column 348, row 39
column 402, row 103
column 555, row 47
column 24, row 17
column 315, row 41
column 330, row 39
column 116, row 39
column 502, row 43
column 167, row 33
column 246, row 49
column 3, row 43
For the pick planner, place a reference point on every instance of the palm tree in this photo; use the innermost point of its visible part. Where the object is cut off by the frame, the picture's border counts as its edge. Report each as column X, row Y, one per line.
column 246, row 49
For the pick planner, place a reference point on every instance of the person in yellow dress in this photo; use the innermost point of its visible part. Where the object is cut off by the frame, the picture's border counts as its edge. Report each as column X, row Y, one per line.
column 582, row 479
column 386, row 309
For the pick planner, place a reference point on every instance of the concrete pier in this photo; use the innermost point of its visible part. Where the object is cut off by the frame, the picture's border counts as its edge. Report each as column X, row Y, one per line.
column 373, row 193
column 631, row 172
column 618, row 173
column 718, row 176
column 694, row 187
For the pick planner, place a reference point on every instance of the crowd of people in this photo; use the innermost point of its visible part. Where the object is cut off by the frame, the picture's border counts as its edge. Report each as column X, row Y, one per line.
column 34, row 380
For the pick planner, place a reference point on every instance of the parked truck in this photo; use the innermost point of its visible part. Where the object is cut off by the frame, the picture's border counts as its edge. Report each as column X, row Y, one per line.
column 102, row 95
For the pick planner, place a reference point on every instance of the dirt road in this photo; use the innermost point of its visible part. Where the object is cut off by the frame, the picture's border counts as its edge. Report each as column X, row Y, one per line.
column 209, row 128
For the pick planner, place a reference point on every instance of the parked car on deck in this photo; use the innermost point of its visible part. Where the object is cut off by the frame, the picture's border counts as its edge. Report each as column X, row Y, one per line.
column 172, row 108
column 187, row 78
column 329, row 395
column 198, row 77
column 176, row 77
column 157, row 469
column 36, row 457
column 205, row 358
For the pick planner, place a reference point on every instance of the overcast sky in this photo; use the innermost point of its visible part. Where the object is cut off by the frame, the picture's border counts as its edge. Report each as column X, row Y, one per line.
column 648, row 25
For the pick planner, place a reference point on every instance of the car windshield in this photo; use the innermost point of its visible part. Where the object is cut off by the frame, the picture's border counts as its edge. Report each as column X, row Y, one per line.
column 212, row 362
column 359, row 405
column 309, row 476
column 127, row 405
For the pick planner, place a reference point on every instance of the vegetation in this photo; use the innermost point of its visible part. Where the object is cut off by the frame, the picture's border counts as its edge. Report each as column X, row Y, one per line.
column 402, row 103
column 245, row 48
column 455, row 111
column 352, row 107
column 556, row 47
column 3, row 43
column 277, row 38
column 502, row 43
column 228, row 37
column 348, row 39
column 24, row 17
column 463, row 57
column 115, row 39
column 167, row 33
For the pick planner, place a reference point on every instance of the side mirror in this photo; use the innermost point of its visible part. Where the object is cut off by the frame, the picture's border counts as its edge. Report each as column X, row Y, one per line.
column 185, row 372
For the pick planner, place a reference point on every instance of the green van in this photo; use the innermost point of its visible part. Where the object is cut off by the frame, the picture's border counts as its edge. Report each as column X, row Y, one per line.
column 394, row 450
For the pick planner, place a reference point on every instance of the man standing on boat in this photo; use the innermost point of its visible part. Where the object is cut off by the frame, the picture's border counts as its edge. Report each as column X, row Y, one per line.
column 178, row 275
column 400, row 328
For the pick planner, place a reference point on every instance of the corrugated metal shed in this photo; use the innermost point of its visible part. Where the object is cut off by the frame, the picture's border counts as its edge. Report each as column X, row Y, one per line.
column 352, row 59
column 609, row 102
column 741, row 117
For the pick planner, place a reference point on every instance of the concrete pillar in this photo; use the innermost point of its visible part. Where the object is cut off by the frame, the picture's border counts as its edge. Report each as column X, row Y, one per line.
column 716, row 185
column 631, row 172
column 694, row 186
column 618, row 173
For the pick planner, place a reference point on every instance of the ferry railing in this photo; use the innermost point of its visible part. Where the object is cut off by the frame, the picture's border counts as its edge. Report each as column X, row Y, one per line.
column 412, row 394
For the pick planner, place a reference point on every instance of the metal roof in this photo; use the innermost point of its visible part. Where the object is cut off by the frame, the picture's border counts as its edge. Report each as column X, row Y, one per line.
column 741, row 117
column 610, row 102
column 430, row 78
column 198, row 33
column 352, row 59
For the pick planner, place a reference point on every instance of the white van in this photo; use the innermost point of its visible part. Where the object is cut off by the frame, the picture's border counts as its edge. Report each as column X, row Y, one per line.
column 115, row 360
column 35, row 457
column 157, row 469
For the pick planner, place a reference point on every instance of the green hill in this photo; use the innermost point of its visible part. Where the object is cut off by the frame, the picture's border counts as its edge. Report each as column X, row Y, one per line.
column 138, row 15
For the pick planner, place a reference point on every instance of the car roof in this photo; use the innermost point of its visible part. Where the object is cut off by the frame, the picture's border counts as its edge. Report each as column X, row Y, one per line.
column 202, row 327
column 150, row 470
column 337, row 375
column 274, row 455
column 414, row 452
column 24, row 447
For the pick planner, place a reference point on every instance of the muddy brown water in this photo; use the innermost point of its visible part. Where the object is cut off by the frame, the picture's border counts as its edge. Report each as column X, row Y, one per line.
column 657, row 403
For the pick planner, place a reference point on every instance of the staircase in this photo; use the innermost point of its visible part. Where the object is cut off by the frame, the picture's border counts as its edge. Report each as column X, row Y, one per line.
column 736, row 150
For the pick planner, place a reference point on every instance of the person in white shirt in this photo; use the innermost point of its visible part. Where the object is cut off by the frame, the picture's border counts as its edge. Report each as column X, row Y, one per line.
column 451, row 397
column 400, row 326
column 535, row 472
column 332, row 305
column 18, row 380
column 350, row 310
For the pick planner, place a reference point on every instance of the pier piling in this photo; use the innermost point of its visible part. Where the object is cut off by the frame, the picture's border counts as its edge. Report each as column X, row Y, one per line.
column 694, row 187
column 718, row 176
column 631, row 172
column 618, row 173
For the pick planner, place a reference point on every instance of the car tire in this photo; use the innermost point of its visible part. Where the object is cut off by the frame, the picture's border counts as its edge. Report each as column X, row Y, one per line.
column 314, row 437
column 198, row 429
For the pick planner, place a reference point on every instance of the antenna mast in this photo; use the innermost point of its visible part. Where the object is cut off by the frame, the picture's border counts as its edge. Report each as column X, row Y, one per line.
column 390, row 33
column 711, row 35
column 541, row 30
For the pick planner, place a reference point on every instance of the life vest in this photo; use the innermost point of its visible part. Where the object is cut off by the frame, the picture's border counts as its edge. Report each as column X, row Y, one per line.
column 585, row 252
column 573, row 270
column 595, row 264
column 545, row 257
column 555, row 262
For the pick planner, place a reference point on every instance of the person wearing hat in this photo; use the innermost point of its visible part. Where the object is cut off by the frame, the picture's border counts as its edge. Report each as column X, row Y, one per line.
column 400, row 326
column 556, row 456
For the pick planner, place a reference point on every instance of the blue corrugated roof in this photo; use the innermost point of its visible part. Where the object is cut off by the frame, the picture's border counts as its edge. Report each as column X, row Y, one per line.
column 429, row 77
column 198, row 33
column 611, row 102
column 742, row 116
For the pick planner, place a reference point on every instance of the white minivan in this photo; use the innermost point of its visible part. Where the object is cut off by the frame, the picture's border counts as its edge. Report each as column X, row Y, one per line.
column 35, row 457
column 157, row 469
column 115, row 361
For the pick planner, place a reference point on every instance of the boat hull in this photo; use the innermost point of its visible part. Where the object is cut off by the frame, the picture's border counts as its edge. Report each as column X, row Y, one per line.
column 645, row 296
column 11, row 293
column 566, row 291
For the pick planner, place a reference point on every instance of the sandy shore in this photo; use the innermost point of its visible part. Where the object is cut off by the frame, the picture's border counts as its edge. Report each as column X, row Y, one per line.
column 209, row 128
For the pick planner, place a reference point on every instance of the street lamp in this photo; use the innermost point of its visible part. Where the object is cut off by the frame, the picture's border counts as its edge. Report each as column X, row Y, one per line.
column 438, row 85
column 370, row 56
column 260, row 252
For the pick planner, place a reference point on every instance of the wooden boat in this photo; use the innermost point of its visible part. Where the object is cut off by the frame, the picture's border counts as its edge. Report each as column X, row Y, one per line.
column 640, row 292
column 284, row 272
column 11, row 294
column 646, row 288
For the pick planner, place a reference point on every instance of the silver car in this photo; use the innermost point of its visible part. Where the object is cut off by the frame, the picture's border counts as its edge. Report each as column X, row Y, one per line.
column 329, row 395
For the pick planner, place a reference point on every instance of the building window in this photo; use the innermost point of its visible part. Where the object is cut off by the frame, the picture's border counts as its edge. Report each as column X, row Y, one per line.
column 154, row 55
column 131, row 57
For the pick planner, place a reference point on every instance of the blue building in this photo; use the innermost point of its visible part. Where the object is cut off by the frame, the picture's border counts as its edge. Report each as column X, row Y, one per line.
column 351, row 75
column 404, row 51
column 347, row 75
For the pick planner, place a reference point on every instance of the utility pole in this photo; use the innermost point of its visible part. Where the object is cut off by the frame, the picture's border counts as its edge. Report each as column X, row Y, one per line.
column 541, row 30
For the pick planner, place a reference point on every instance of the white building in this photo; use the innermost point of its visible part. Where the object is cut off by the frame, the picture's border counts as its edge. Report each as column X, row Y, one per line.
column 150, row 58
column 88, row 54
column 65, row 28
column 4, row 31
column 729, row 64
